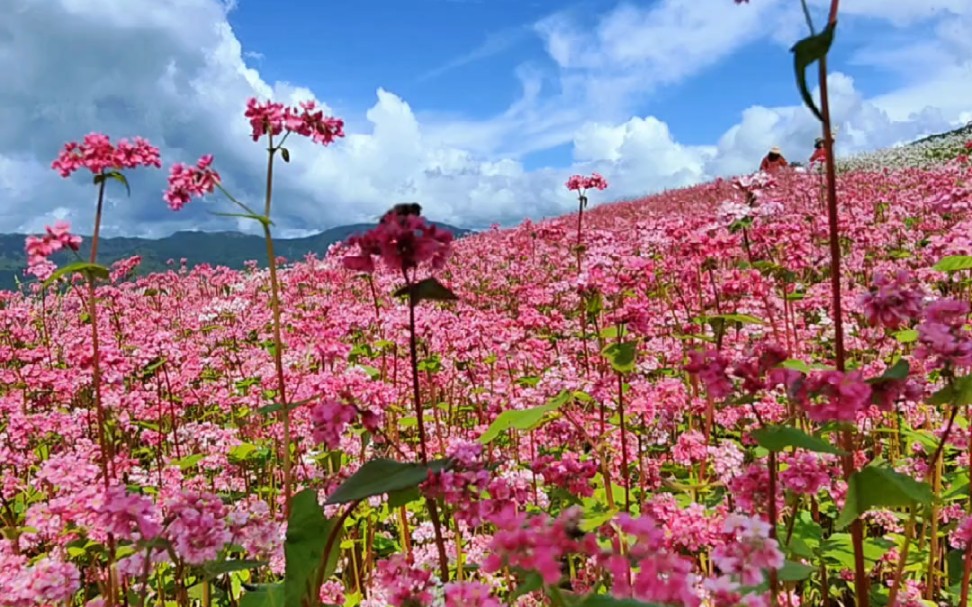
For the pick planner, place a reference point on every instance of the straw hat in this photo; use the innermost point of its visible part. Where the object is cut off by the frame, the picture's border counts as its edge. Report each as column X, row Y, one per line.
column 776, row 150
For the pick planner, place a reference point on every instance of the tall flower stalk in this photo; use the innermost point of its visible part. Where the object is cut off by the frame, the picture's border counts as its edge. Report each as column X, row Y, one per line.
column 267, row 119
column 403, row 241
column 581, row 184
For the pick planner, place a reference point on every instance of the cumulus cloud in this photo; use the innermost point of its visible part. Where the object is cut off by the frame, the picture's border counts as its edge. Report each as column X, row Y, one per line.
column 175, row 73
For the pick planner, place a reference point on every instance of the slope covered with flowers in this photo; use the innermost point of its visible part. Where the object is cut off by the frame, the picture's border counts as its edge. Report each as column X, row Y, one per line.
column 629, row 427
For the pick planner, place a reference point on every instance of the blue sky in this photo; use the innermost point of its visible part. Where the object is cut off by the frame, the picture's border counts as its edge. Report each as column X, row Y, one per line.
column 480, row 109
column 458, row 57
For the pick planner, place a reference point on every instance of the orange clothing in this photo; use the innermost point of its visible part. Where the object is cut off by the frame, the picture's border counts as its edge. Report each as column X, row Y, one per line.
column 819, row 155
column 773, row 166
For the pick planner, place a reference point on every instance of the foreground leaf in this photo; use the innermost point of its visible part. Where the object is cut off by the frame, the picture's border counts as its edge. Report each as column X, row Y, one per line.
column 307, row 533
column 92, row 270
column 521, row 419
column 381, row 476
column 807, row 52
column 957, row 393
column 266, row 595
column 881, row 487
column 954, row 263
column 428, row 289
column 778, row 438
column 622, row 356
column 604, row 600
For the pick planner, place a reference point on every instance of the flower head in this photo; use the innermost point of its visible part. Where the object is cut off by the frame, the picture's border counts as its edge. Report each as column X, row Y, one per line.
column 97, row 154
column 186, row 182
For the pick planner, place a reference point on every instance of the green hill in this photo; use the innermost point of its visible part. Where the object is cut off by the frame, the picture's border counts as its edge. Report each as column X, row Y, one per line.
column 230, row 249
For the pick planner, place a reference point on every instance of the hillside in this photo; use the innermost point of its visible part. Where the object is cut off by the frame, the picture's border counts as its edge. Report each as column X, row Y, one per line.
column 230, row 249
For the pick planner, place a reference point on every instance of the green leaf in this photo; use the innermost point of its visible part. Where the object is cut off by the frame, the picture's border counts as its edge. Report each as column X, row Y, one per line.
column 906, row 336
column 101, row 178
column 383, row 476
column 261, row 219
column 622, row 356
column 957, row 393
column 807, row 52
column 522, row 419
column 899, row 371
column 214, row 570
column 954, row 263
column 266, row 595
column 880, row 487
column 403, row 497
column 796, row 365
column 82, row 267
column 430, row 289
column 532, row 581
column 307, row 533
column 189, row 461
column 778, row 438
column 285, row 154
column 744, row 319
column 794, row 572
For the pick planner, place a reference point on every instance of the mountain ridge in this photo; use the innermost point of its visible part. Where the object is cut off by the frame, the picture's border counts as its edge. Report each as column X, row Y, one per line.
column 224, row 248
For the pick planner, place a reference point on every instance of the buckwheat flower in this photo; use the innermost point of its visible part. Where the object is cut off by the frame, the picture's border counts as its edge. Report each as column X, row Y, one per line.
column 329, row 419
column 403, row 242
column 198, row 529
column 266, row 117
column 690, row 448
column 129, row 516
column 841, row 396
column 805, row 473
column 710, row 367
column 404, row 584
column 311, row 122
column 186, row 182
column 962, row 535
column 942, row 334
column 891, row 301
column 97, row 154
column 749, row 550
column 53, row 582
column 469, row 594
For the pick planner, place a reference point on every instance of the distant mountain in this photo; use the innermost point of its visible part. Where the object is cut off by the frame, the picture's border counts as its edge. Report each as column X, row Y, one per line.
column 230, row 249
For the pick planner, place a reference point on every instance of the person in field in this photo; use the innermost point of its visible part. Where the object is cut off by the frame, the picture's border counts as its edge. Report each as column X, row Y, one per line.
column 773, row 162
column 819, row 156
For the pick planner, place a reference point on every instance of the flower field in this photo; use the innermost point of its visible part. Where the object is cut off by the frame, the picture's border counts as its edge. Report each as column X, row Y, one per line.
column 639, row 405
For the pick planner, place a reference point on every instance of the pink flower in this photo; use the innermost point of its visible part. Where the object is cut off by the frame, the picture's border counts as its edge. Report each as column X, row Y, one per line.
column 942, row 335
column 198, row 529
column 710, row 367
column 469, row 594
column 405, row 585
column 266, row 117
column 805, row 473
column 329, row 420
column 582, row 184
column 749, row 550
column 962, row 535
column 187, row 182
column 40, row 248
column 97, row 154
column 891, row 301
column 844, row 396
column 403, row 242
column 273, row 118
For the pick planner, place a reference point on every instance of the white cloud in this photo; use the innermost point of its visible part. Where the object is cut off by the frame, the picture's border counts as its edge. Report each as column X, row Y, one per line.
column 182, row 81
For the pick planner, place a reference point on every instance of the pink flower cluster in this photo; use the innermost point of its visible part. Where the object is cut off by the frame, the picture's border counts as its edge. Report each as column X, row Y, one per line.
column 804, row 474
column 892, row 301
column 329, row 419
column 942, row 333
column 748, row 551
column 402, row 242
column 97, row 154
column 188, row 182
column 581, row 183
column 405, row 585
column 40, row 248
column 710, row 367
column 306, row 119
column 568, row 472
column 840, row 396
column 198, row 529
